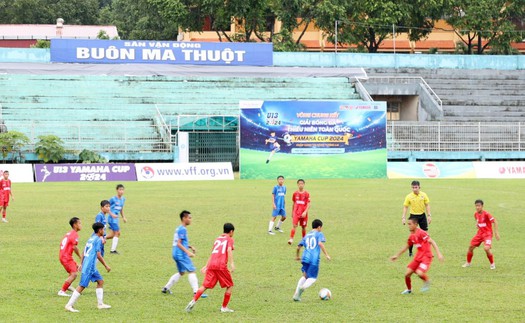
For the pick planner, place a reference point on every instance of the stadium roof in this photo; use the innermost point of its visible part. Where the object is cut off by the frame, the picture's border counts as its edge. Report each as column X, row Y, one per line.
column 54, row 31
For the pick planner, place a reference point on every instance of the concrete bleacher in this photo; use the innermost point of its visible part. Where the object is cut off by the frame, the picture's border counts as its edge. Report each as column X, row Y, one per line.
column 112, row 113
column 472, row 95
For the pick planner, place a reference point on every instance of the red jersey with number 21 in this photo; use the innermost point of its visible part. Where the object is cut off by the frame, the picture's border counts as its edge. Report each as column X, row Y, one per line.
column 219, row 253
column 419, row 239
column 67, row 245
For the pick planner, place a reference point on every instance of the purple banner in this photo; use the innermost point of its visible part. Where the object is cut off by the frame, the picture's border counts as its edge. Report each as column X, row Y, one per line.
column 85, row 172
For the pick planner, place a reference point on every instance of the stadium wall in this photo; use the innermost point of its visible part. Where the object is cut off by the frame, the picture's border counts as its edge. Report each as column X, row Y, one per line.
column 318, row 59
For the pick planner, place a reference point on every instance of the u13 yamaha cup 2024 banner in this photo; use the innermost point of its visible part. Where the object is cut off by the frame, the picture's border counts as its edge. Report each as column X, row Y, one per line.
column 313, row 139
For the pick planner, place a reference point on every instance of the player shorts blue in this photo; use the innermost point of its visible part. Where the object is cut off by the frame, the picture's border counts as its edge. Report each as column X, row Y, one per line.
column 90, row 277
column 310, row 270
column 278, row 212
column 184, row 265
column 114, row 225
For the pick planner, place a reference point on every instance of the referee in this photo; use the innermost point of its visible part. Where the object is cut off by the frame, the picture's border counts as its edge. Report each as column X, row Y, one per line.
column 418, row 203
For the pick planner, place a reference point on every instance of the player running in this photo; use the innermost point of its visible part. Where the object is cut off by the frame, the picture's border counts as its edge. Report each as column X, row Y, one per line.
column 102, row 218
column 116, row 210
column 67, row 247
column 274, row 145
column 484, row 221
column 182, row 252
column 92, row 253
column 421, row 263
column 5, row 194
column 313, row 243
column 301, row 204
column 216, row 268
column 418, row 202
column 278, row 194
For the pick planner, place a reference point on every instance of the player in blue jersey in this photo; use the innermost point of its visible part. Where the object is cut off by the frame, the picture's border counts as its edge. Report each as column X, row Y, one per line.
column 182, row 251
column 278, row 195
column 92, row 253
column 116, row 205
column 313, row 243
column 274, row 145
column 101, row 217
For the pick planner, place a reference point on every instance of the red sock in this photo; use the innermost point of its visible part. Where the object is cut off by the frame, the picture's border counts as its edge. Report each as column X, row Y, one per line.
column 226, row 299
column 491, row 259
column 66, row 286
column 197, row 295
column 408, row 282
column 469, row 256
column 424, row 277
column 292, row 233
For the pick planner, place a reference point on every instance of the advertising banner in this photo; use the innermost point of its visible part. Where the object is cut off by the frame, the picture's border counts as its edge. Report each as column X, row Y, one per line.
column 312, row 139
column 431, row 170
column 500, row 170
column 84, row 172
column 184, row 171
column 160, row 52
column 18, row 173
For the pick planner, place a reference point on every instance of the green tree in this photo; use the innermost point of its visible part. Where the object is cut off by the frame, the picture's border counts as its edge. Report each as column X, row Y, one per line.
column 50, row 148
column 26, row 12
column 89, row 156
column 484, row 23
column 12, row 142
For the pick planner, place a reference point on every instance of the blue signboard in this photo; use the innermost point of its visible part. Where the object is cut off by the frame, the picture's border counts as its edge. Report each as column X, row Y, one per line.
column 160, row 52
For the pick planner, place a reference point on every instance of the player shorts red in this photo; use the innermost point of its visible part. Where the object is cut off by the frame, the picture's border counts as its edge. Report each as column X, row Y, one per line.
column 4, row 200
column 479, row 238
column 297, row 220
column 214, row 275
column 420, row 264
column 69, row 265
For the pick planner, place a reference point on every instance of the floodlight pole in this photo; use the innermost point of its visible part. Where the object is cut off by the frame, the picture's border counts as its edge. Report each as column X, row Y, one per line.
column 394, row 35
column 336, row 35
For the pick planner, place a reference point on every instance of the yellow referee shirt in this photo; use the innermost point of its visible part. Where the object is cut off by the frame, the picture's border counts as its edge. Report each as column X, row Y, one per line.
column 417, row 202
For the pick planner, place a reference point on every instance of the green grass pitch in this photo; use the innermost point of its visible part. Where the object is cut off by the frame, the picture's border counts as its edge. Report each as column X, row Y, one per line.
column 363, row 228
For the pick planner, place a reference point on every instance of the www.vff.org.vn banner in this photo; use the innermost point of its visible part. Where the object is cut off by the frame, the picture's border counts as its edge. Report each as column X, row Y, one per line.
column 160, row 52
column 184, row 171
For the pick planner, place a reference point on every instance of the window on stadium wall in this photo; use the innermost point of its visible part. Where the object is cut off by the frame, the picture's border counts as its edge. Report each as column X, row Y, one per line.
column 214, row 146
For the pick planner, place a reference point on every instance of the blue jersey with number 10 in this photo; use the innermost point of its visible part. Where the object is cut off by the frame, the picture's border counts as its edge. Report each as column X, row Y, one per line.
column 312, row 251
column 93, row 246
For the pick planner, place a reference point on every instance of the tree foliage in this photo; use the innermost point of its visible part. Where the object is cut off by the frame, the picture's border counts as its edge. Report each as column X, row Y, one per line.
column 50, row 148
column 11, row 143
column 489, row 20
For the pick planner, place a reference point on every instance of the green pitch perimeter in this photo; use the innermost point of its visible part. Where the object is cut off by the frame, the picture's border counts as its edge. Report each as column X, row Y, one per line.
column 362, row 224
column 368, row 164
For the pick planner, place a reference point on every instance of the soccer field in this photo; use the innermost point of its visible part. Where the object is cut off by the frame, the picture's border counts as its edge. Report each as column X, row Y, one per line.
column 362, row 224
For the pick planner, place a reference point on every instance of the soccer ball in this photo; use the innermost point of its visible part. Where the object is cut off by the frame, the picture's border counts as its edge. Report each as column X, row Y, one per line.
column 325, row 294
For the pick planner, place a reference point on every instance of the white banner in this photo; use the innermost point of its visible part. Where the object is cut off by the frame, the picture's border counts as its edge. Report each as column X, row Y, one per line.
column 500, row 169
column 184, row 171
column 18, row 173
column 183, row 142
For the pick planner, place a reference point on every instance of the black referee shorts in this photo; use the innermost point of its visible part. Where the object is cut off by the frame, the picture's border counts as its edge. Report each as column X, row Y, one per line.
column 421, row 220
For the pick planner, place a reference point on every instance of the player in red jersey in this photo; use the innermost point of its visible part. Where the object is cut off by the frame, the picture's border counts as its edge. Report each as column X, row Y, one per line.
column 5, row 194
column 301, row 204
column 216, row 268
column 67, row 247
column 484, row 221
column 421, row 263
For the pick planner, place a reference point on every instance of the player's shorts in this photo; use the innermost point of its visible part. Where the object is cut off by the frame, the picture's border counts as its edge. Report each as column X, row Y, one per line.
column 310, row 270
column 277, row 212
column 69, row 265
column 114, row 226
column 479, row 239
column 4, row 201
column 184, row 265
column 297, row 220
column 420, row 264
column 223, row 276
column 90, row 277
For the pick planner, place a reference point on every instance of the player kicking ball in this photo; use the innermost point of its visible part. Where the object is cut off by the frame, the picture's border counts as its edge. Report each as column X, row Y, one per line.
column 216, row 269
column 484, row 221
column 274, row 145
column 92, row 253
column 313, row 243
column 421, row 263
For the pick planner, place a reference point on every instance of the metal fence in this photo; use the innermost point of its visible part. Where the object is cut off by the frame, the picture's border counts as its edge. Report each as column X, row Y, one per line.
column 455, row 136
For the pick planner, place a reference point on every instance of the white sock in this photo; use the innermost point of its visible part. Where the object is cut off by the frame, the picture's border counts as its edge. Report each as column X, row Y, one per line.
column 175, row 278
column 114, row 244
column 73, row 299
column 309, row 282
column 300, row 284
column 270, row 226
column 279, row 224
column 194, row 282
column 100, row 295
